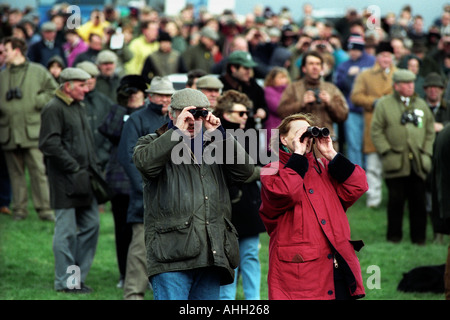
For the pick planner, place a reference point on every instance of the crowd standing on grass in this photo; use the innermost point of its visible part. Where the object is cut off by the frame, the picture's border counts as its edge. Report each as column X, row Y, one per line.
column 380, row 87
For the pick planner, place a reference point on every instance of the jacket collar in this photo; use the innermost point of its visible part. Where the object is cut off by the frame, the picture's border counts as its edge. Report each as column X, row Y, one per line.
column 64, row 97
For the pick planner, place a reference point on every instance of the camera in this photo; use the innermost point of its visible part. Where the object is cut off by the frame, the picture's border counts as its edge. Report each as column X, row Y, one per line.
column 197, row 113
column 315, row 132
column 409, row 116
column 14, row 93
column 316, row 95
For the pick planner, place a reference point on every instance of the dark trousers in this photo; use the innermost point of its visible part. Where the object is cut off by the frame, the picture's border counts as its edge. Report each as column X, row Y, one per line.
column 122, row 229
column 5, row 184
column 412, row 189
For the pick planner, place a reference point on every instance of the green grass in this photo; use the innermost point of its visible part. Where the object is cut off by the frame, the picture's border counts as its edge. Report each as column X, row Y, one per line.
column 27, row 266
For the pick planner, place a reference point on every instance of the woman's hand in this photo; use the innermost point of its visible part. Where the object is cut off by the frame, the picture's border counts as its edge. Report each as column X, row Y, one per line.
column 325, row 147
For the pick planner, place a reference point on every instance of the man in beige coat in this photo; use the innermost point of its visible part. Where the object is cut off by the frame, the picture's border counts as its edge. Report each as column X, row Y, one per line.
column 313, row 95
column 369, row 86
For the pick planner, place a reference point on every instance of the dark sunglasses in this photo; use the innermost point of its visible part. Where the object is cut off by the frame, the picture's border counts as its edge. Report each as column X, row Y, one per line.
column 241, row 113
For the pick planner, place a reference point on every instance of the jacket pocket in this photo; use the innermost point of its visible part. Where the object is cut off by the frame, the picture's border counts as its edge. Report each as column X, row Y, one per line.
column 426, row 162
column 392, row 161
column 5, row 130
column 298, row 254
column 79, row 184
column 33, row 121
column 175, row 242
column 231, row 244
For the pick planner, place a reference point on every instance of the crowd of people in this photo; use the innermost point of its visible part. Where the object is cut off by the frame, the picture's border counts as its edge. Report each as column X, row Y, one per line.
column 92, row 108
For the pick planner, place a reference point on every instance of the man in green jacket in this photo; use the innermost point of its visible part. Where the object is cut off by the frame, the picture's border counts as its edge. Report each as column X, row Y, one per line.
column 191, row 244
column 25, row 87
column 403, row 134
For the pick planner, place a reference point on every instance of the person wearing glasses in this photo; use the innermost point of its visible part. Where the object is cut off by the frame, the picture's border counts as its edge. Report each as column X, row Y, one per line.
column 232, row 110
column 25, row 88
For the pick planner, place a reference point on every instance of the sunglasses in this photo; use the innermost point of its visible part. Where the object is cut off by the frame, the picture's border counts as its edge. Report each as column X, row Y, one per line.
column 241, row 113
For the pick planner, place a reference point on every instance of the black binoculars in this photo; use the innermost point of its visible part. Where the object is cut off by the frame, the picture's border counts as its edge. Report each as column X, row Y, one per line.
column 315, row 132
column 410, row 116
column 14, row 93
column 197, row 113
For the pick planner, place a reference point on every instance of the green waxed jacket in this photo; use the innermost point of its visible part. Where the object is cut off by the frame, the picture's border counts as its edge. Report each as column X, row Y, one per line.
column 403, row 147
column 187, row 208
column 20, row 119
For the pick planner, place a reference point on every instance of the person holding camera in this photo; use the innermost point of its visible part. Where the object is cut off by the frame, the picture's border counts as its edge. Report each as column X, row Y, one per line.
column 25, row 88
column 403, row 134
column 312, row 95
column 192, row 246
column 304, row 198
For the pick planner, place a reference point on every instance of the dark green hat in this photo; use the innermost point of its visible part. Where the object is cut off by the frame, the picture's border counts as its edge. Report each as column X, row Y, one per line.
column 433, row 79
column 242, row 58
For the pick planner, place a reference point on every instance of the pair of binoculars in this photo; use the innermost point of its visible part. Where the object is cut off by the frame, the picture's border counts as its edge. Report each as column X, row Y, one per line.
column 315, row 132
column 197, row 113
column 14, row 93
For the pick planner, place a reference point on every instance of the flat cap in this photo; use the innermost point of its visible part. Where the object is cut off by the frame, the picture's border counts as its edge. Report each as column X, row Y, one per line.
column 106, row 56
column 69, row 74
column 209, row 82
column 403, row 75
column 48, row 26
column 189, row 97
column 241, row 58
column 161, row 85
column 209, row 33
column 89, row 67
column 433, row 79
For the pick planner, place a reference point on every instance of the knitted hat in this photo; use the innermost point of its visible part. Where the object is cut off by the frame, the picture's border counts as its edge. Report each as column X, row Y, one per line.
column 355, row 42
column 189, row 97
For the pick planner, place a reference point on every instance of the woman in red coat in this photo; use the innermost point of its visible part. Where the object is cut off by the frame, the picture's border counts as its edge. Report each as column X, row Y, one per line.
column 304, row 200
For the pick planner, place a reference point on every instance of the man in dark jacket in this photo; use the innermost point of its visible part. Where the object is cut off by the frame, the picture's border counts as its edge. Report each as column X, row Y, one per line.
column 68, row 146
column 239, row 77
column 140, row 123
column 191, row 244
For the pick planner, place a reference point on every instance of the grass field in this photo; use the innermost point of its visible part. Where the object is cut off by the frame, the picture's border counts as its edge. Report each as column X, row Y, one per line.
column 27, row 267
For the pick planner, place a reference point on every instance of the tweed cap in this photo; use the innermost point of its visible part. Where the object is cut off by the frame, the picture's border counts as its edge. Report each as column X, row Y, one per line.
column 209, row 82
column 433, row 79
column 48, row 26
column 161, row 85
column 69, row 74
column 241, row 58
column 403, row 75
column 106, row 56
column 209, row 33
column 189, row 97
column 89, row 67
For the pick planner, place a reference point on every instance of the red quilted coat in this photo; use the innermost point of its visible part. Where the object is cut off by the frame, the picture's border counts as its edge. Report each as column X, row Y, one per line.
column 304, row 214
